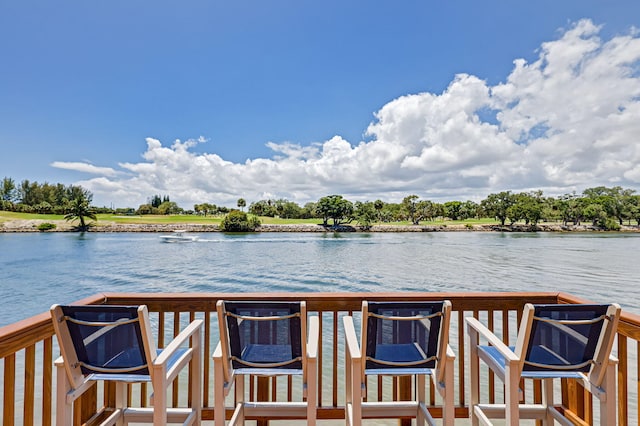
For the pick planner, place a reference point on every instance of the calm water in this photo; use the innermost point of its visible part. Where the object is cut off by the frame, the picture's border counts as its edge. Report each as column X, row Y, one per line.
column 38, row 270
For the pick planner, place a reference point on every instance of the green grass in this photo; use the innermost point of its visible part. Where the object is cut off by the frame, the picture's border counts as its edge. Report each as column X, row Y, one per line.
column 5, row 216
column 279, row 221
column 161, row 219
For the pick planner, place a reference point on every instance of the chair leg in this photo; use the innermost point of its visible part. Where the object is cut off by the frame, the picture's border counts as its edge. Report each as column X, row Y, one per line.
column 547, row 401
column 312, row 392
column 160, row 404
column 64, row 408
column 474, row 374
column 121, row 400
column 195, row 377
column 448, row 409
column 219, row 392
column 420, row 398
column 348, row 394
column 357, row 389
column 512, row 397
column 608, row 415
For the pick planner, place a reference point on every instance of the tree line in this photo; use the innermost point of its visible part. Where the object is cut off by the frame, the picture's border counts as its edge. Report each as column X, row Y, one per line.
column 32, row 197
column 605, row 207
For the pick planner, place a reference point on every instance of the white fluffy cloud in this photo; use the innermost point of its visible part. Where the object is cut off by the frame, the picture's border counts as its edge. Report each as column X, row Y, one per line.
column 567, row 121
column 84, row 167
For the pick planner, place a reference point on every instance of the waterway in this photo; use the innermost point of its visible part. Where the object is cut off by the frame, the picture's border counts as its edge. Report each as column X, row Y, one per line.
column 37, row 270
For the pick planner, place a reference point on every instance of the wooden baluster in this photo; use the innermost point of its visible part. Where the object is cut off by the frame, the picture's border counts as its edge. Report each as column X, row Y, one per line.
column 29, row 385
column 8, row 417
column 47, row 381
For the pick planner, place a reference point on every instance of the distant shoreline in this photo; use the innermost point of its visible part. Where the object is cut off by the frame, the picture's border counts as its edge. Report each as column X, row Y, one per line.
column 23, row 226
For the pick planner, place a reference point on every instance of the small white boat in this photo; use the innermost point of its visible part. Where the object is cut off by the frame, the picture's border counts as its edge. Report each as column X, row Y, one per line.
column 179, row 236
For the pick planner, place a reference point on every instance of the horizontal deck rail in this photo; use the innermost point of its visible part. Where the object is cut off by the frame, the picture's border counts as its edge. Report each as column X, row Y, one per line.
column 28, row 350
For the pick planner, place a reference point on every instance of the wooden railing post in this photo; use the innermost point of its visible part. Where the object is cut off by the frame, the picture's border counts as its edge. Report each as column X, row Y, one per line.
column 263, row 395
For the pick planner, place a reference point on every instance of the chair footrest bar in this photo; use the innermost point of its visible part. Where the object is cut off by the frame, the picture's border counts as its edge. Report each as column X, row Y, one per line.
column 173, row 414
column 497, row 411
column 389, row 410
column 274, row 410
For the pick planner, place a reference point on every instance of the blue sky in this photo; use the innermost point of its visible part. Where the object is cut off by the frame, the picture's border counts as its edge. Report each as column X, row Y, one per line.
column 209, row 101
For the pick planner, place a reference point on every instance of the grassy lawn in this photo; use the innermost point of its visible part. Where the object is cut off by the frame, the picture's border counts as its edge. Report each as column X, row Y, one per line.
column 5, row 216
column 151, row 219
column 161, row 219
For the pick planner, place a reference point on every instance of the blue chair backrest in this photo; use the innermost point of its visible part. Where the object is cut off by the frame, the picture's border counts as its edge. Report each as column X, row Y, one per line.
column 398, row 343
column 264, row 334
column 564, row 337
column 107, row 339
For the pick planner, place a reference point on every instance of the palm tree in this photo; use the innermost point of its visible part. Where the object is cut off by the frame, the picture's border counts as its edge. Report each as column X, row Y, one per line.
column 79, row 208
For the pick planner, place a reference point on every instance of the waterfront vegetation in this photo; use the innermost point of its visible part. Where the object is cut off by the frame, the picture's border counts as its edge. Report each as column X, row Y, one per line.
column 601, row 207
column 150, row 219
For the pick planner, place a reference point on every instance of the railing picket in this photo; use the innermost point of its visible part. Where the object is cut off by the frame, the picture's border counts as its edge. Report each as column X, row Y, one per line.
column 8, row 410
column 206, row 360
column 47, row 380
column 623, row 371
column 334, row 376
column 637, row 380
column 29, row 385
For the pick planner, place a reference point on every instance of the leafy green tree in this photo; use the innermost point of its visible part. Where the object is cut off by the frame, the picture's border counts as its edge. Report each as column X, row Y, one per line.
column 571, row 207
column 288, row 209
column 528, row 206
column 496, row 205
column 80, row 208
column 29, row 193
column 596, row 213
column 615, row 201
column 43, row 207
column 378, row 205
column 8, row 190
column 242, row 203
column 205, row 209
column 453, row 209
column 469, row 210
column 391, row 212
column 634, row 208
column 258, row 208
column 308, row 211
column 410, row 208
column 237, row 221
column 144, row 209
column 336, row 208
column 169, row 207
column 428, row 210
column 155, row 201
column 365, row 214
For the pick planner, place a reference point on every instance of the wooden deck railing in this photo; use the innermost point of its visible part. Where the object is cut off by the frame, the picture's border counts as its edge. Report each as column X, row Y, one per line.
column 28, row 350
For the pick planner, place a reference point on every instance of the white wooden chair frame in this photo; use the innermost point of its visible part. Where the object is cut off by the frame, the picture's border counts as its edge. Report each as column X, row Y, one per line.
column 226, row 377
column 600, row 380
column 72, row 383
column 355, row 382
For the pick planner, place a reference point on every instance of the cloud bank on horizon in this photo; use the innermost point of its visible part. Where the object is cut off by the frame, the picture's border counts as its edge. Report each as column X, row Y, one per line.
column 568, row 121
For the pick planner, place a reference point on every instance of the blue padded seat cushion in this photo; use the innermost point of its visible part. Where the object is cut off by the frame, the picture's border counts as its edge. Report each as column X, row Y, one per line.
column 267, row 353
column 540, row 355
column 405, row 352
column 133, row 378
